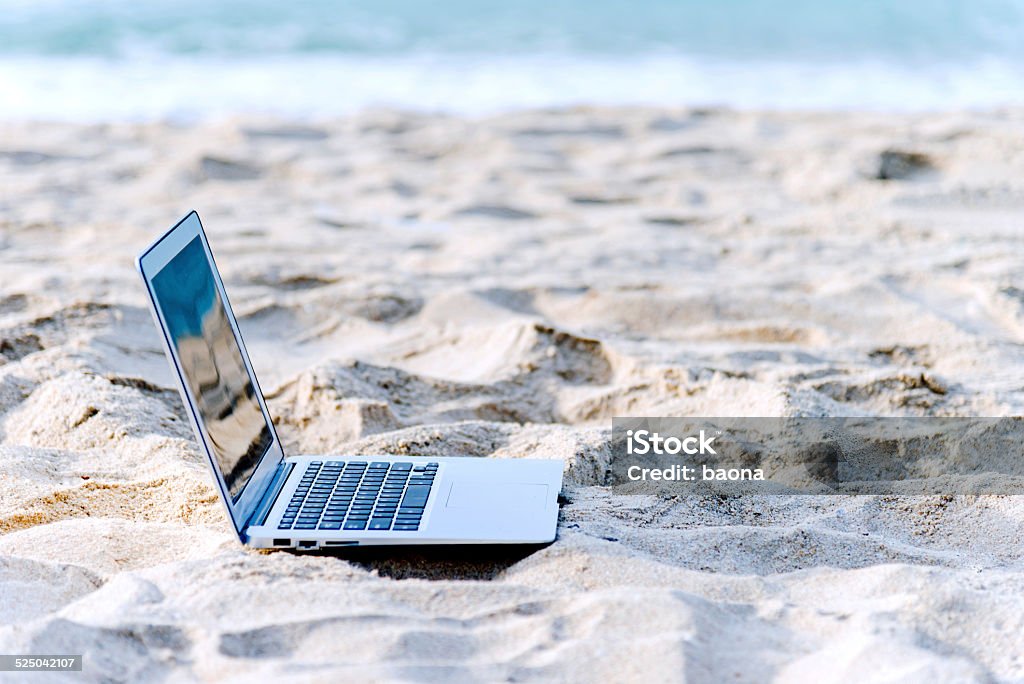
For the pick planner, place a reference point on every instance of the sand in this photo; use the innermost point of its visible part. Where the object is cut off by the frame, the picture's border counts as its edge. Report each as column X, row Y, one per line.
column 503, row 287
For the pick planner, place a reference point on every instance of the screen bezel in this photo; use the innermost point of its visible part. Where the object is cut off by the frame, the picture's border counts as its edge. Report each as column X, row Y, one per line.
column 149, row 264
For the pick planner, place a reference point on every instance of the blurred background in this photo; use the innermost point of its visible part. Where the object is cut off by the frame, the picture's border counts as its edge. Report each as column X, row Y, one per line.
column 110, row 59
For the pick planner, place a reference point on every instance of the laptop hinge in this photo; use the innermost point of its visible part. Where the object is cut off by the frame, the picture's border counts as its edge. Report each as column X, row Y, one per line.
column 259, row 516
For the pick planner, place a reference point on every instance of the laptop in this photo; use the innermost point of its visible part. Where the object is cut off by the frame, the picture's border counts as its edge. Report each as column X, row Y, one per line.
column 309, row 502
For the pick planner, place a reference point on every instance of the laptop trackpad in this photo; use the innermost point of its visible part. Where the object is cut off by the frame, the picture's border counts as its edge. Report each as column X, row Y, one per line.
column 491, row 495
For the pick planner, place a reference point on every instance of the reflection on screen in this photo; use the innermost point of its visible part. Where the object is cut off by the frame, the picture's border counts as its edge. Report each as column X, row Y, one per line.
column 212, row 363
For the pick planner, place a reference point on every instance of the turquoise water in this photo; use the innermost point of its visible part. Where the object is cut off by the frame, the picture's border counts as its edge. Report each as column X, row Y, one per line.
column 101, row 59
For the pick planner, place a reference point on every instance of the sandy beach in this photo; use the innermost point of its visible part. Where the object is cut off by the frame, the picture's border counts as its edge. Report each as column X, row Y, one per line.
column 438, row 285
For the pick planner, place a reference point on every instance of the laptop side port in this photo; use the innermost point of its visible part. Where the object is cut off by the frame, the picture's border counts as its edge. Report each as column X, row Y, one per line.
column 306, row 544
column 340, row 543
column 282, row 542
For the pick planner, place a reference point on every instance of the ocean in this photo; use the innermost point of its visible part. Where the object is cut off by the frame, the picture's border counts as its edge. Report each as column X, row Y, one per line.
column 182, row 59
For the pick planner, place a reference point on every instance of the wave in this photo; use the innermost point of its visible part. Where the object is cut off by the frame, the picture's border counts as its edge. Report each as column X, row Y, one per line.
column 114, row 59
column 315, row 86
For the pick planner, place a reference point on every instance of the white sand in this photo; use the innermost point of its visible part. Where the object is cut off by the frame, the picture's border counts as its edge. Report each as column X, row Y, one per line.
column 439, row 286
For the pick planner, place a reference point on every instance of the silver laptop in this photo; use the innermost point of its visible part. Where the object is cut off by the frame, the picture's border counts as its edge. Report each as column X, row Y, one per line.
column 309, row 502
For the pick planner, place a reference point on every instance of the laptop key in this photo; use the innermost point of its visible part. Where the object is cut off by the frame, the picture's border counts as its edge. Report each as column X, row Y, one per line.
column 334, row 525
column 380, row 524
column 355, row 525
column 401, row 527
column 415, row 499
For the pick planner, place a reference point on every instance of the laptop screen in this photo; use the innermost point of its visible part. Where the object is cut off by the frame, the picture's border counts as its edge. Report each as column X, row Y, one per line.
column 211, row 361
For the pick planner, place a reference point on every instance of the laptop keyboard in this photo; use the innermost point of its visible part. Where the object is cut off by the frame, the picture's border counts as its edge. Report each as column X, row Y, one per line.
column 335, row 495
